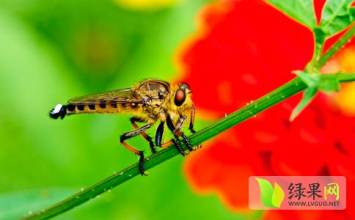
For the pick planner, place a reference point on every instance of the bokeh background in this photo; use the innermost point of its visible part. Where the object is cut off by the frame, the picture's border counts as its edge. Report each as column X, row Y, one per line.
column 231, row 52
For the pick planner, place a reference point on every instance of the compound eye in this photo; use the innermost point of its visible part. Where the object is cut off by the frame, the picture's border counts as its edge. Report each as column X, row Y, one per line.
column 179, row 97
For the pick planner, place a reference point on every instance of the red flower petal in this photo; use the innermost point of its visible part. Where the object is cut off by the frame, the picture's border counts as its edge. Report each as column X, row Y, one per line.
column 244, row 56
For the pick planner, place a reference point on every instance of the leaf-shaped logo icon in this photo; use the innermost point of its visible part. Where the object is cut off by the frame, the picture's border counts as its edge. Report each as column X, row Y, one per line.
column 278, row 196
column 271, row 196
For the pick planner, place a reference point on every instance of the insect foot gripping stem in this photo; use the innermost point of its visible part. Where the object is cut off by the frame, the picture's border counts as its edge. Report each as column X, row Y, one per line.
column 141, row 164
column 58, row 111
column 187, row 142
column 178, row 147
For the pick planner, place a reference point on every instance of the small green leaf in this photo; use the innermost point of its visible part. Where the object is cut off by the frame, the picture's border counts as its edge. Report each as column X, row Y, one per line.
column 300, row 10
column 329, row 83
column 308, row 96
column 320, row 35
column 335, row 16
column 277, row 196
column 352, row 14
column 311, row 80
column 314, row 82
column 266, row 191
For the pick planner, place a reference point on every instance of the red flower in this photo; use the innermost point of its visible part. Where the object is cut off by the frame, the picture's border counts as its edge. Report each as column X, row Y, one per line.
column 246, row 49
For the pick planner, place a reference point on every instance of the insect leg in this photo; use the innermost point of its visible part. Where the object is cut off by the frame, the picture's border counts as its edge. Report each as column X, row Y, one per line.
column 174, row 141
column 140, row 153
column 168, row 143
column 144, row 134
column 180, row 133
column 159, row 134
column 187, row 142
column 179, row 123
column 178, row 147
column 177, row 130
column 192, row 120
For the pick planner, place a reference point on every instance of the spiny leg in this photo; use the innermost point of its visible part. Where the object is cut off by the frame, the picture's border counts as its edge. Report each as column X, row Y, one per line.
column 192, row 121
column 159, row 134
column 140, row 153
column 176, row 144
column 180, row 133
column 144, row 134
column 177, row 131
column 187, row 142
column 178, row 147
column 173, row 141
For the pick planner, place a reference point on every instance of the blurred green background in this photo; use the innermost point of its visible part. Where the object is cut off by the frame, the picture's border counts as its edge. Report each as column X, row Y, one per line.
column 53, row 50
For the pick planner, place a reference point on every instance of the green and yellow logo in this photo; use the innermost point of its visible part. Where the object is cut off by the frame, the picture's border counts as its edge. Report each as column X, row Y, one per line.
column 271, row 196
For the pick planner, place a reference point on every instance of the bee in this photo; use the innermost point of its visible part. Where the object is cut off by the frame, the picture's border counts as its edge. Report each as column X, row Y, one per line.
column 149, row 102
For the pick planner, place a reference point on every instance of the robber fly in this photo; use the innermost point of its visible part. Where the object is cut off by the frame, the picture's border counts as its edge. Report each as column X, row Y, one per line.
column 148, row 102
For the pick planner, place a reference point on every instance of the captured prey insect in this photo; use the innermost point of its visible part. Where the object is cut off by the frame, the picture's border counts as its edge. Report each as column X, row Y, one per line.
column 149, row 102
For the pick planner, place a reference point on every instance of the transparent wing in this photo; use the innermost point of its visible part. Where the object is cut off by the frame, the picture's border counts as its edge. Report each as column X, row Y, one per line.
column 119, row 95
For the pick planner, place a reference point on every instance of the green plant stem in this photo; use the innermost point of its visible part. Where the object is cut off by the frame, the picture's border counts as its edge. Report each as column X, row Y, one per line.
column 285, row 91
column 319, row 38
column 336, row 46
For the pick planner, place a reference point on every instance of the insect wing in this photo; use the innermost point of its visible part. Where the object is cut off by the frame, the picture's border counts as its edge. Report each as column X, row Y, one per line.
column 119, row 96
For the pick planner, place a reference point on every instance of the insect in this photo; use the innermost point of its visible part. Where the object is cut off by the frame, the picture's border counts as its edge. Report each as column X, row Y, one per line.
column 149, row 102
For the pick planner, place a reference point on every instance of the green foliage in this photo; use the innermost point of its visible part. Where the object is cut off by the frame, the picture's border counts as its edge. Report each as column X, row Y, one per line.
column 335, row 16
column 300, row 10
column 352, row 14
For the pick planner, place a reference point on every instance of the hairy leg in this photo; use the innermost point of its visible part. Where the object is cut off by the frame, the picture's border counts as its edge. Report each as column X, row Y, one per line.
column 140, row 153
column 146, row 137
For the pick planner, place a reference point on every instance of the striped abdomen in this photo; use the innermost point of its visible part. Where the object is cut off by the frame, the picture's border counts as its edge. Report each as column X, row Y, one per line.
column 103, row 106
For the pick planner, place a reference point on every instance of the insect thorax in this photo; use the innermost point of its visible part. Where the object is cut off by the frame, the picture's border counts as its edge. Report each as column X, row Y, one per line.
column 155, row 96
